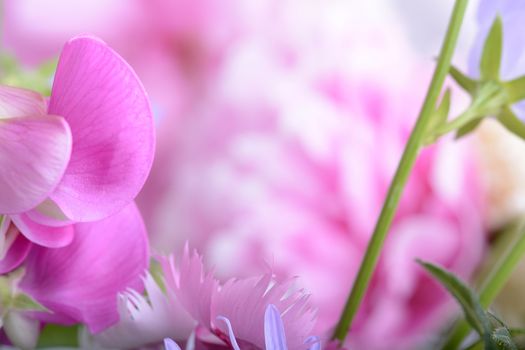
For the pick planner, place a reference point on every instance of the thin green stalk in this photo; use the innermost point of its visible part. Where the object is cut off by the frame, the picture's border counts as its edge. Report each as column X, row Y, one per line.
column 402, row 173
column 496, row 280
column 458, row 122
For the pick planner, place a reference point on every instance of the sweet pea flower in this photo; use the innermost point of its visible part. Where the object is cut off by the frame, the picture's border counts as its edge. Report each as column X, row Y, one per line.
column 197, row 310
column 81, row 158
column 79, row 283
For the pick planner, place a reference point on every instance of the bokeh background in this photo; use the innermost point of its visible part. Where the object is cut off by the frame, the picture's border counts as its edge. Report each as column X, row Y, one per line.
column 279, row 127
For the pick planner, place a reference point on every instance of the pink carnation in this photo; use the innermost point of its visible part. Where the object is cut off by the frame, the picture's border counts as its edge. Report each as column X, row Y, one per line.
column 288, row 163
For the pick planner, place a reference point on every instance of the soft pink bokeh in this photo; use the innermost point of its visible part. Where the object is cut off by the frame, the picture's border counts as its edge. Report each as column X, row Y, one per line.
column 277, row 138
column 288, row 162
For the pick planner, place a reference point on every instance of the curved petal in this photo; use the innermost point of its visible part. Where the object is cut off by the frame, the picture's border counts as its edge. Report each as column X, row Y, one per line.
column 274, row 336
column 169, row 344
column 80, row 282
column 110, row 118
column 16, row 102
column 147, row 320
column 47, row 236
column 231, row 335
column 16, row 254
column 34, row 155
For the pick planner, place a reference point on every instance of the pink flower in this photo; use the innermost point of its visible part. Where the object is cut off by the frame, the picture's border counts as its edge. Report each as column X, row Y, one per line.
column 254, row 312
column 79, row 282
column 289, row 161
column 80, row 159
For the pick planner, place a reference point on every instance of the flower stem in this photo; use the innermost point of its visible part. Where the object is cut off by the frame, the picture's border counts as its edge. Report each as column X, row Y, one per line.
column 496, row 280
column 402, row 173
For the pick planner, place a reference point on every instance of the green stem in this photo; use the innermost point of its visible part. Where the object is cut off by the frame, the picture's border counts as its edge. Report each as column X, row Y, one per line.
column 496, row 280
column 402, row 173
column 463, row 119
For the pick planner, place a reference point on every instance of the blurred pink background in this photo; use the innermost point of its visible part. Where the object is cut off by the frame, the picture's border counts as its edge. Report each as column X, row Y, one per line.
column 280, row 124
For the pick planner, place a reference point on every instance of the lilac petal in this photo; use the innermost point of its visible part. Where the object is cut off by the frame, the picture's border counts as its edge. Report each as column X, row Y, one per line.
column 313, row 342
column 16, row 102
column 35, row 151
column 274, row 336
column 169, row 344
column 233, row 341
column 79, row 283
column 110, row 118
column 252, row 295
column 47, row 236
column 16, row 254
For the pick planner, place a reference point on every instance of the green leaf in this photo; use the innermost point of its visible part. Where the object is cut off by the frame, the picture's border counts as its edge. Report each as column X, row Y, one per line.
column 23, row 302
column 491, row 56
column 155, row 269
column 503, row 339
column 438, row 119
column 465, row 82
column 469, row 302
column 510, row 121
column 468, row 128
column 442, row 111
column 58, row 336
column 515, row 89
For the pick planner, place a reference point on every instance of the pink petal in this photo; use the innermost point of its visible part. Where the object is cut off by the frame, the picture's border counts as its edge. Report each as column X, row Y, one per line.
column 110, row 118
column 191, row 284
column 80, row 282
column 34, row 154
column 252, row 296
column 16, row 254
column 16, row 102
column 47, row 236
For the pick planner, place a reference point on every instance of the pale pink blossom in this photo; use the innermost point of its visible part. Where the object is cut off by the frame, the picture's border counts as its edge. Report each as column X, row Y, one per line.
column 288, row 163
column 195, row 308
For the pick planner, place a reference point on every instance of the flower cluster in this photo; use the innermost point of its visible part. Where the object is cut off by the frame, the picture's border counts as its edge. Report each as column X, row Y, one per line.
column 273, row 147
column 191, row 307
column 71, row 168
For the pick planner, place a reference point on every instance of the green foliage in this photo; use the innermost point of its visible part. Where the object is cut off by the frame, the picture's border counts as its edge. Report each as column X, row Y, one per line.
column 439, row 118
column 493, row 334
column 53, row 336
column 468, row 84
column 11, row 299
column 491, row 56
column 38, row 79
column 490, row 96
